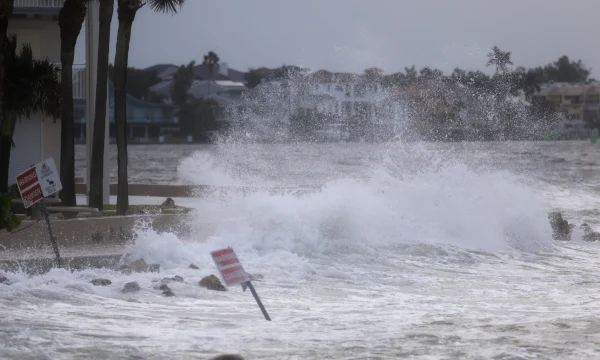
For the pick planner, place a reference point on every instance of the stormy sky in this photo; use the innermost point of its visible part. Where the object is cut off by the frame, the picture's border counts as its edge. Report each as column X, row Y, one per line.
column 351, row 35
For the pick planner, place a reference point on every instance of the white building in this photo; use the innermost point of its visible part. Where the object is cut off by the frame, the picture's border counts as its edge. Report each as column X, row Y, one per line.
column 225, row 87
column 36, row 22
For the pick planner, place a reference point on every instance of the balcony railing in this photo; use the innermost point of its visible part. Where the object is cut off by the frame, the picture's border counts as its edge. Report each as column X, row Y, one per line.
column 38, row 6
column 79, row 82
column 39, row 3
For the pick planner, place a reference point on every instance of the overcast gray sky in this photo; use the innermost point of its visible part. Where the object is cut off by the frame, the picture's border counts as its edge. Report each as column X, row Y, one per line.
column 351, row 35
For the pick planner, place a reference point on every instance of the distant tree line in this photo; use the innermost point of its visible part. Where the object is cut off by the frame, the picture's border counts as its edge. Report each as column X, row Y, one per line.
column 435, row 99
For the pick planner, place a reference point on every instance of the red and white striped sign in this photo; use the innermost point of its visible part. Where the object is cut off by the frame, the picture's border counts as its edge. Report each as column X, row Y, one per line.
column 32, row 195
column 229, row 266
column 27, row 178
column 38, row 182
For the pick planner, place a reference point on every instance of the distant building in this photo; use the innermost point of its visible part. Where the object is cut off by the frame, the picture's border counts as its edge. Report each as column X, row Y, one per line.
column 329, row 93
column 146, row 121
column 226, row 84
column 579, row 101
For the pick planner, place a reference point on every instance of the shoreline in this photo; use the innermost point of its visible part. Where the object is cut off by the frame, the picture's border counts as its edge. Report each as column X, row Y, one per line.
column 341, row 141
column 187, row 191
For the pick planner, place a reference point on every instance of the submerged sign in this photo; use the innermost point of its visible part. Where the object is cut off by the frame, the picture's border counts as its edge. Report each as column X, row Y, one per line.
column 229, row 266
column 233, row 273
column 38, row 182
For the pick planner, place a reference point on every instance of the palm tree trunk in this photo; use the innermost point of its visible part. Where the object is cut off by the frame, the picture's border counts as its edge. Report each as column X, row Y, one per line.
column 6, row 142
column 5, row 148
column 70, row 21
column 6, row 9
column 97, row 167
column 126, row 13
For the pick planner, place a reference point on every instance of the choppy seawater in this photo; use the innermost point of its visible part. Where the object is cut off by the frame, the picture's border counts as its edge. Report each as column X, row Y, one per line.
column 417, row 251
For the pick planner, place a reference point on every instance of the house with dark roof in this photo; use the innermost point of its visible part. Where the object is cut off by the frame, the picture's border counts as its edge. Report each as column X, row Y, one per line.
column 225, row 86
column 201, row 72
column 146, row 121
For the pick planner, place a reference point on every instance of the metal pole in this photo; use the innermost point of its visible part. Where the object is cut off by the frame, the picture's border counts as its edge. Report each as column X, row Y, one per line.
column 260, row 305
column 53, row 239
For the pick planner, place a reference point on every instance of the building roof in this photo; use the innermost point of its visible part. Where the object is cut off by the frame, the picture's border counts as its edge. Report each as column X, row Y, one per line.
column 229, row 83
column 159, row 67
column 200, row 72
column 164, row 85
column 263, row 70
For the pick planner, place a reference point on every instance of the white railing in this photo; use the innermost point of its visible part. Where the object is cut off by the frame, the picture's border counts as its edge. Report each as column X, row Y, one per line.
column 39, row 3
column 79, row 82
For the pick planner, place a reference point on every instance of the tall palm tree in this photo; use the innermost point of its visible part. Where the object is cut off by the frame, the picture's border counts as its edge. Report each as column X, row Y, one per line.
column 97, row 166
column 499, row 58
column 210, row 60
column 70, row 21
column 182, row 82
column 6, row 9
column 30, row 86
column 126, row 10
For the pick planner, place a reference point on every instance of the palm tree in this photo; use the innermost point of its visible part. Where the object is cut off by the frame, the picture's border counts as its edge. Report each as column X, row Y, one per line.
column 6, row 9
column 30, row 86
column 499, row 58
column 126, row 10
column 70, row 21
column 97, row 166
column 210, row 60
column 182, row 82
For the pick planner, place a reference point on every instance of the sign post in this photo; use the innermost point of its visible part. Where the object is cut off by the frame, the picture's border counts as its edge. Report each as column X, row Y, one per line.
column 233, row 273
column 40, row 181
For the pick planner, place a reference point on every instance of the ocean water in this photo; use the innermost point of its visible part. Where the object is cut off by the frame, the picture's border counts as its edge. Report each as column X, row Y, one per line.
column 416, row 251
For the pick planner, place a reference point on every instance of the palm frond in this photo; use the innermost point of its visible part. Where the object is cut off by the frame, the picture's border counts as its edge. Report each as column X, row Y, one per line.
column 30, row 85
column 166, row 6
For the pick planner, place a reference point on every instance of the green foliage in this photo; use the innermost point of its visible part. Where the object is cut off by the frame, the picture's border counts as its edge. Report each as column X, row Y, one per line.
column 182, row 81
column 253, row 79
column 13, row 192
column 210, row 60
column 563, row 70
column 8, row 220
column 30, row 85
column 206, row 116
column 139, row 82
column 165, row 6
column 499, row 58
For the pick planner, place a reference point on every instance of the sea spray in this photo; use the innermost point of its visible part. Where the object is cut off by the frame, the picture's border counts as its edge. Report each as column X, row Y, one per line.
column 203, row 168
column 438, row 203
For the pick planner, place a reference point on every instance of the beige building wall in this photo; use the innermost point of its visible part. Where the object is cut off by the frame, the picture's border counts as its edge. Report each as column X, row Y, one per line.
column 43, row 35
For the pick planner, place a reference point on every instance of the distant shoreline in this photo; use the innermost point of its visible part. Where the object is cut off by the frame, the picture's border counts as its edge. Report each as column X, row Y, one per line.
column 309, row 141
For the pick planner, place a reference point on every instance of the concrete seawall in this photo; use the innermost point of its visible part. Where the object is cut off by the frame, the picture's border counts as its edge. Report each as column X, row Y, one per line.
column 84, row 243
column 90, row 231
column 41, row 262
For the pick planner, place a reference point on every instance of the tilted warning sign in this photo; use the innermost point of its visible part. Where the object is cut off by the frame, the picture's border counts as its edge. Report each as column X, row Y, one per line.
column 38, row 182
column 232, row 272
column 229, row 266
